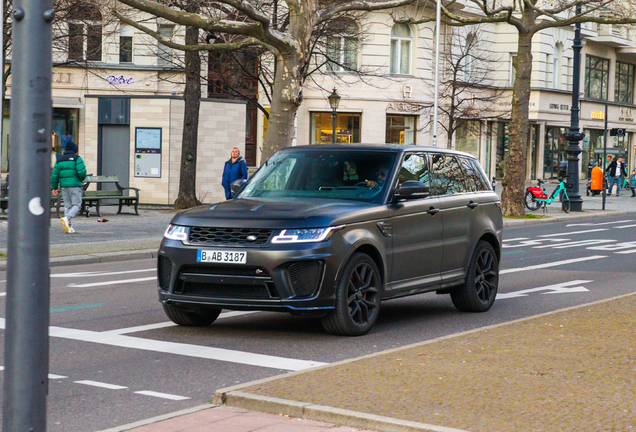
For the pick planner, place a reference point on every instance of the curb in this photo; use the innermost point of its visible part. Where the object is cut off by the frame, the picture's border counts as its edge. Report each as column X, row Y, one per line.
column 236, row 398
column 511, row 223
column 96, row 258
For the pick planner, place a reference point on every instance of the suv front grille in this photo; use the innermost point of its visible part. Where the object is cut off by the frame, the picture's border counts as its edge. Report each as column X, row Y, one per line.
column 229, row 236
column 305, row 277
column 234, row 282
column 225, row 270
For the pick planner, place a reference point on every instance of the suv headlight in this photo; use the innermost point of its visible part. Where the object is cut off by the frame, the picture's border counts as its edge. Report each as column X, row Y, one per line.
column 310, row 235
column 176, row 232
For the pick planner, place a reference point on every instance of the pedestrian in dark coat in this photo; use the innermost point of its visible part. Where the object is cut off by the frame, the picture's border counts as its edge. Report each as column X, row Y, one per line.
column 68, row 173
column 617, row 171
column 235, row 168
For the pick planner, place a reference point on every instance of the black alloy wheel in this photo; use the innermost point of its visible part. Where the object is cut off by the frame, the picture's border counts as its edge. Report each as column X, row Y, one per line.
column 566, row 205
column 531, row 203
column 482, row 280
column 358, row 296
column 191, row 318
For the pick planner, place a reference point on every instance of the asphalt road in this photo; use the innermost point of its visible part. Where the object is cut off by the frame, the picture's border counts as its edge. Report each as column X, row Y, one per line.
column 109, row 370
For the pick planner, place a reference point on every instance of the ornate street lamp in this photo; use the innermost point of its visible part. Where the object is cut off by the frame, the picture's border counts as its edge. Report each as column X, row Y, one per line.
column 334, row 101
column 574, row 136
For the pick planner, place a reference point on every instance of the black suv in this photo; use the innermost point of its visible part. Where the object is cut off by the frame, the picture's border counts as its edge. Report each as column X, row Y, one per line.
column 333, row 230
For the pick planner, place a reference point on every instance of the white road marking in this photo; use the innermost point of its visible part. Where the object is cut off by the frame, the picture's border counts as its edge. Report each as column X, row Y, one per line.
column 171, row 324
column 534, row 242
column 574, row 232
column 516, row 239
column 615, row 246
column 626, row 226
column 627, row 252
column 101, row 384
column 100, row 273
column 116, row 282
column 3, row 294
column 562, row 288
column 600, row 223
column 162, row 395
column 552, row 264
column 210, row 353
column 53, row 376
column 575, row 244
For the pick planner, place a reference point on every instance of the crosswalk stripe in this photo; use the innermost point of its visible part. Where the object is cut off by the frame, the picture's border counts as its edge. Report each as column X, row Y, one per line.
column 101, row 385
column 161, row 395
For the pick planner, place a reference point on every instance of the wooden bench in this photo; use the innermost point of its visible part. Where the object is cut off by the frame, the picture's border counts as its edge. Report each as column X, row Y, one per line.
column 56, row 201
column 95, row 198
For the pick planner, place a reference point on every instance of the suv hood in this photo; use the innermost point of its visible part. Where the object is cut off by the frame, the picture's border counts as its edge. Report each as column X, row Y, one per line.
column 278, row 214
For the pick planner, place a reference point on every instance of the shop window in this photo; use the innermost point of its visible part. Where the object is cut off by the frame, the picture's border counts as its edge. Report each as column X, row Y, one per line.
column 503, row 148
column 467, row 137
column 596, row 77
column 342, row 47
column 401, row 49
column 554, row 152
column 400, row 129
column 624, row 91
column 164, row 53
column 347, row 128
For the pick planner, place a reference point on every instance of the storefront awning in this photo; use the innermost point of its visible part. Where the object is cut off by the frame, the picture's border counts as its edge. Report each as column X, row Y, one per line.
column 62, row 102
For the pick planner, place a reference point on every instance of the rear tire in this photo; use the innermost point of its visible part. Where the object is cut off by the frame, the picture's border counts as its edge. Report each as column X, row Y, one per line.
column 566, row 205
column 482, row 280
column 191, row 318
column 358, row 297
column 531, row 203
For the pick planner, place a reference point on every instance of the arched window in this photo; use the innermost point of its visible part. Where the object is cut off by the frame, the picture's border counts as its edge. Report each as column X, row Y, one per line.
column 84, row 32
column 342, row 46
column 401, row 49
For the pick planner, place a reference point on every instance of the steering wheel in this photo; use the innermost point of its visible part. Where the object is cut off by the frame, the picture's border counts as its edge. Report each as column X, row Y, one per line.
column 362, row 184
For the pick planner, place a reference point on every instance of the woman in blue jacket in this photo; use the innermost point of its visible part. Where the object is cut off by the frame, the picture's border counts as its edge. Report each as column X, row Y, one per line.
column 235, row 168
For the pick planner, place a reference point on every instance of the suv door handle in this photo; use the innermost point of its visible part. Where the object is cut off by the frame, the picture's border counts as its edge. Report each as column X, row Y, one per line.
column 433, row 211
column 472, row 205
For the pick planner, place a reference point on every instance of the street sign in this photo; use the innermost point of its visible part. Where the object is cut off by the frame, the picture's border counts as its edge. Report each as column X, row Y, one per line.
column 618, row 132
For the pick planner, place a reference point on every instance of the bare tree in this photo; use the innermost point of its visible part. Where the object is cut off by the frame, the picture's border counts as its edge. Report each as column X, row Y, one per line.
column 529, row 17
column 467, row 88
column 290, row 45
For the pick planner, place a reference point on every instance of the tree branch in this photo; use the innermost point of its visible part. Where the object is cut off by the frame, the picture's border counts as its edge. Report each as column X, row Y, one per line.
column 335, row 8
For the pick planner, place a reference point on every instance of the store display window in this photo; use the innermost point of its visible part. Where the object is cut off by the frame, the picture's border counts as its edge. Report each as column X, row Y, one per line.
column 347, row 128
column 400, row 129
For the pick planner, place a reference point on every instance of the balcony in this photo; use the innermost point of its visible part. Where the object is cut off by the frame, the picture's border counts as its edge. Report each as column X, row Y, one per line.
column 617, row 36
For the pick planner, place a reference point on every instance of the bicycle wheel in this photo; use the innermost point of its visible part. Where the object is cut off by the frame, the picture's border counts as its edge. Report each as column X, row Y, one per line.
column 531, row 203
column 566, row 205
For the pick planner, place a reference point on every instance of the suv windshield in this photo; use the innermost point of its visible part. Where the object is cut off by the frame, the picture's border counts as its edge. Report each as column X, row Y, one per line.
column 334, row 174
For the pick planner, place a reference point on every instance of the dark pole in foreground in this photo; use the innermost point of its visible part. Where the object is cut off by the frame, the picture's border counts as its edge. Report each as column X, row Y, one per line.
column 574, row 136
column 28, row 284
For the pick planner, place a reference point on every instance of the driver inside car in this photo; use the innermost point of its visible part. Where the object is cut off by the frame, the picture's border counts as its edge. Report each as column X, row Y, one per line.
column 381, row 176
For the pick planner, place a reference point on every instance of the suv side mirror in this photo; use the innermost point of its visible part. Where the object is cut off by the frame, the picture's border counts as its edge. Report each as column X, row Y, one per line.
column 236, row 186
column 412, row 189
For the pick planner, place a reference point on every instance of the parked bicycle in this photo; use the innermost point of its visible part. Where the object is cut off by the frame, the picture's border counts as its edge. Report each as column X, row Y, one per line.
column 536, row 197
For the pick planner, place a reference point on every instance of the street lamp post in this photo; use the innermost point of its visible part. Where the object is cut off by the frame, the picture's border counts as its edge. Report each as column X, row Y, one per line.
column 574, row 136
column 334, row 101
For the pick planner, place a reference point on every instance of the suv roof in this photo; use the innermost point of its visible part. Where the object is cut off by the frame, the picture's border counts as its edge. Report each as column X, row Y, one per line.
column 399, row 148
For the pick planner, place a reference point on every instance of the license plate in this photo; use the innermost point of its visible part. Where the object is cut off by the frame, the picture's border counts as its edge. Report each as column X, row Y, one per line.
column 220, row 256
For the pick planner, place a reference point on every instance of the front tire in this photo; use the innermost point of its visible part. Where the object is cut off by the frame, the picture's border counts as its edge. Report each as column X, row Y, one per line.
column 191, row 318
column 358, row 297
column 531, row 203
column 566, row 205
column 482, row 280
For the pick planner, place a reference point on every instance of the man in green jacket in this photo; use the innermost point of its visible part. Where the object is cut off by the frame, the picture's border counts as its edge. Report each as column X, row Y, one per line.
column 68, row 173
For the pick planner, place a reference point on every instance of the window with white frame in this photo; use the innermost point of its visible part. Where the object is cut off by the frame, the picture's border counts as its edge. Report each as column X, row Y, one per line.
column 556, row 66
column 342, row 47
column 85, row 33
column 513, row 72
column 401, row 38
column 164, row 53
column 126, row 44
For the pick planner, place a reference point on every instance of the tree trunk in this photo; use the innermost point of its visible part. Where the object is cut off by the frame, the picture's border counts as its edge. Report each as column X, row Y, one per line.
column 512, row 197
column 192, row 97
column 286, row 98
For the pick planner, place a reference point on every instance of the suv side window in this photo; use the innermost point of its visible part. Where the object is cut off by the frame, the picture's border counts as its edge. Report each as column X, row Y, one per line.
column 482, row 175
column 474, row 181
column 415, row 167
column 448, row 177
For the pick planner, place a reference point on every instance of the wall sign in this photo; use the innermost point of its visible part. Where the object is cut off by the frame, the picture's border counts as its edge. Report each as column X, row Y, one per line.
column 112, row 79
column 147, row 152
column 405, row 106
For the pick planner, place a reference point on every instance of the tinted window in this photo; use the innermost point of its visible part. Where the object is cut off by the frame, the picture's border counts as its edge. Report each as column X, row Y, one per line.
column 474, row 182
column 415, row 167
column 482, row 175
column 332, row 174
column 448, row 177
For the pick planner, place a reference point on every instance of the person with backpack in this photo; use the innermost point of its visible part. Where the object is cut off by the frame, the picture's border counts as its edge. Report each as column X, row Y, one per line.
column 617, row 172
column 68, row 173
column 235, row 168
